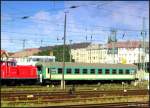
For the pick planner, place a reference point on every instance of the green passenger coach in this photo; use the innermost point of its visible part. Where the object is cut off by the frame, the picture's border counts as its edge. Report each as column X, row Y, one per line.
column 86, row 71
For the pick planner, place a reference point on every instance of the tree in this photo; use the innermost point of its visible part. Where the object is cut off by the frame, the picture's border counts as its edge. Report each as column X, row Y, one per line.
column 43, row 53
column 57, row 52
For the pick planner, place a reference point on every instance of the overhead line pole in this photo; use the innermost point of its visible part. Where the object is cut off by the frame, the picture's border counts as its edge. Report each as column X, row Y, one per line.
column 144, row 36
column 70, row 50
column 63, row 70
column 24, row 43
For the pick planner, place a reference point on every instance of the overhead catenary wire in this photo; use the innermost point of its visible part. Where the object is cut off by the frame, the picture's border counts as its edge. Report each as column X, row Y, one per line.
column 90, row 5
column 74, row 32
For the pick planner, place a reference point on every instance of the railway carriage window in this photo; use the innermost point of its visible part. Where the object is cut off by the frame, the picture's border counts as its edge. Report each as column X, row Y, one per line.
column 84, row 71
column 107, row 71
column 132, row 72
column 92, row 71
column 59, row 70
column 69, row 71
column 99, row 71
column 120, row 71
column 77, row 71
column 127, row 71
column 53, row 70
column 114, row 71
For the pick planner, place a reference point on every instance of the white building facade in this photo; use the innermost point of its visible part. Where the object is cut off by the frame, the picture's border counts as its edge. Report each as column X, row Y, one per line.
column 127, row 52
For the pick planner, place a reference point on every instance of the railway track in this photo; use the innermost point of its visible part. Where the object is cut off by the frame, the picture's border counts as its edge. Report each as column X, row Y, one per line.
column 46, row 93
column 64, row 96
column 107, row 105
column 31, row 97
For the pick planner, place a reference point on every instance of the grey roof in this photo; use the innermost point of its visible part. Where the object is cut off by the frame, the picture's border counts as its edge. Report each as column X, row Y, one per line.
column 73, row 46
column 99, row 65
column 80, row 45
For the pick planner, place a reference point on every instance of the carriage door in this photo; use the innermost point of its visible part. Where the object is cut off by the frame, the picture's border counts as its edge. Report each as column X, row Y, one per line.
column 48, row 73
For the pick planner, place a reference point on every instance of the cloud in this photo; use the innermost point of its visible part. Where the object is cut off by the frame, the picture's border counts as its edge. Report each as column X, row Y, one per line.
column 42, row 15
column 95, row 20
column 7, row 43
column 6, row 17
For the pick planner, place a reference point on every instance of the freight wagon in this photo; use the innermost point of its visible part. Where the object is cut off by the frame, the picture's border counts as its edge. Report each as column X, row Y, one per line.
column 52, row 71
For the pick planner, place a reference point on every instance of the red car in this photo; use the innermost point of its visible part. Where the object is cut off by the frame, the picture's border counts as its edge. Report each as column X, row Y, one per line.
column 10, row 72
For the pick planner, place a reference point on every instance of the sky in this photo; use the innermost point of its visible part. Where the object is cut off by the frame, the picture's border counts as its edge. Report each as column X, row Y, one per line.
column 44, row 25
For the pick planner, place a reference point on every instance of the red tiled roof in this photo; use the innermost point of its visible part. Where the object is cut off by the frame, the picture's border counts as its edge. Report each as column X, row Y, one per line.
column 125, row 44
column 26, row 52
column 3, row 52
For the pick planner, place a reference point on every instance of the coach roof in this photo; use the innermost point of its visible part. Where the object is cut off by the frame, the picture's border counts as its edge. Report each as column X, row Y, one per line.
column 99, row 65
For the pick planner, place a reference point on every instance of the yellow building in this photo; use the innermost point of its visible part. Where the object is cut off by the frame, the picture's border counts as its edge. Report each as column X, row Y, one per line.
column 92, row 53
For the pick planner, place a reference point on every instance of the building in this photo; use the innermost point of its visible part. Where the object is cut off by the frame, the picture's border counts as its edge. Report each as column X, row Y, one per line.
column 21, row 57
column 89, row 53
column 126, row 52
column 25, row 53
column 78, row 52
column 4, row 55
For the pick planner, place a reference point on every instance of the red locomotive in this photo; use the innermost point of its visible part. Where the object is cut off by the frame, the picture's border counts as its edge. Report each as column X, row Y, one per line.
column 12, row 73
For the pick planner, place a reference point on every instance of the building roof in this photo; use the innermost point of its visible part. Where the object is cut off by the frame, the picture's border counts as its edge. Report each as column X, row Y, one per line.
column 26, row 52
column 80, row 45
column 73, row 46
column 98, row 65
column 3, row 52
column 127, row 44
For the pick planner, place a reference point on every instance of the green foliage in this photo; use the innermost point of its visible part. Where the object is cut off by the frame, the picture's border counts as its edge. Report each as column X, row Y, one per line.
column 57, row 52
column 43, row 53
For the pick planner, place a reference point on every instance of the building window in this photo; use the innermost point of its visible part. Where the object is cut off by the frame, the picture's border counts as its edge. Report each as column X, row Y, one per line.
column 120, row 71
column 114, row 71
column 99, row 71
column 59, row 70
column 107, row 71
column 84, row 71
column 69, row 71
column 92, row 71
column 127, row 71
column 77, row 71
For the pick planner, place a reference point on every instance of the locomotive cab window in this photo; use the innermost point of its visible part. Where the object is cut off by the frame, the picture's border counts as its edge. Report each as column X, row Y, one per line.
column 11, row 63
column 107, row 71
column 59, row 70
column 99, row 71
column 69, row 71
column 120, row 71
column 92, row 71
column 77, row 71
column 84, row 71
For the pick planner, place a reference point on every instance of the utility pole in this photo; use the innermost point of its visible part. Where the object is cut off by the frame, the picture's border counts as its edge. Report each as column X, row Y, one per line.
column 24, row 43
column 143, row 33
column 91, row 49
column 63, row 70
column 41, row 42
column 113, row 39
column 70, row 50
